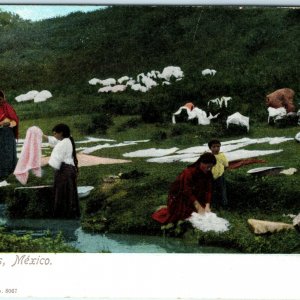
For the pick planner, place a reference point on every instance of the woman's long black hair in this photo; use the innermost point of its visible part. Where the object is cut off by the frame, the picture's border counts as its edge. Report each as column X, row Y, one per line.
column 66, row 133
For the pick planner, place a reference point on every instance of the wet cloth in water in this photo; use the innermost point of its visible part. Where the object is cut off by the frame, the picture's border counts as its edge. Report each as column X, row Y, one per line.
column 208, row 222
column 30, row 158
column 8, row 153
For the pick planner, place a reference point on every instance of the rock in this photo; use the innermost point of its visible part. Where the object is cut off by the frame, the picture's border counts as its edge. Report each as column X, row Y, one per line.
column 261, row 227
column 31, row 202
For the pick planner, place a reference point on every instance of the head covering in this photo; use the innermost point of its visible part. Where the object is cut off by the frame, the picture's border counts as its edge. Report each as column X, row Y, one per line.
column 10, row 113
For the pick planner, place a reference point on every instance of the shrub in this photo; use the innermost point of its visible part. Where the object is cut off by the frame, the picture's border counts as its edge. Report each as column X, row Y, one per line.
column 98, row 123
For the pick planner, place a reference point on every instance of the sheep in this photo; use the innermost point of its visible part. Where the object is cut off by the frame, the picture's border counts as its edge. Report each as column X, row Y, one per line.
column 220, row 101
column 170, row 71
column 108, row 81
column 123, row 78
column 148, row 82
column 238, row 119
column 42, row 96
column 139, row 87
column 208, row 72
column 26, row 97
column 94, row 81
column 105, row 89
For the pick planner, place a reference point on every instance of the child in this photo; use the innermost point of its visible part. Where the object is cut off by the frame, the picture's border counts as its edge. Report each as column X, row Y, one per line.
column 219, row 196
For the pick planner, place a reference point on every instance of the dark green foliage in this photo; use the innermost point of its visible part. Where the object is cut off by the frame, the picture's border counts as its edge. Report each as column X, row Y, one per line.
column 97, row 123
column 151, row 112
column 133, row 174
column 250, row 50
column 13, row 243
column 31, row 203
column 247, row 191
column 130, row 123
column 94, row 203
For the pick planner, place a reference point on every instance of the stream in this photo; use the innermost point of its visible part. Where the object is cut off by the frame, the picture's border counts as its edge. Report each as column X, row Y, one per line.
column 95, row 243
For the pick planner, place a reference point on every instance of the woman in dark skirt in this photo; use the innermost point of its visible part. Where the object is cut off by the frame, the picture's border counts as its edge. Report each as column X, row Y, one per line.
column 9, row 123
column 63, row 159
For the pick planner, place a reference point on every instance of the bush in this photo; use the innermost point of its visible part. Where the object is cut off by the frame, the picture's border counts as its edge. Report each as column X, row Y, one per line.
column 151, row 112
column 98, row 123
column 131, row 123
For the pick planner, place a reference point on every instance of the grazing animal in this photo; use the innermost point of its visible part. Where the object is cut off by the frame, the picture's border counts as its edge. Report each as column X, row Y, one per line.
column 211, row 72
column 108, row 81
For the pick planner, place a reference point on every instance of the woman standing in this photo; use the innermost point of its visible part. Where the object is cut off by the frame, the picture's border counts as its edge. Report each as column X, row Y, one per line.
column 190, row 192
column 63, row 159
column 9, row 124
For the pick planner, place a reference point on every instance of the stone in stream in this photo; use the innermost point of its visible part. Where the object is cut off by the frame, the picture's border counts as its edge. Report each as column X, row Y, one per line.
column 262, row 227
column 31, row 202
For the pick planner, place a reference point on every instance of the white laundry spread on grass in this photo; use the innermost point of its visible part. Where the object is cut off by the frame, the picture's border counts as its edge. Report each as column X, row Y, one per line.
column 98, row 147
column 94, row 140
column 238, row 154
column 4, row 183
column 289, row 171
column 208, row 222
column 152, row 152
column 173, row 158
column 229, row 148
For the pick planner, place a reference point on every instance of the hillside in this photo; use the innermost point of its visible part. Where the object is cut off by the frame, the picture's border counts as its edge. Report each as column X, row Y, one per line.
column 254, row 50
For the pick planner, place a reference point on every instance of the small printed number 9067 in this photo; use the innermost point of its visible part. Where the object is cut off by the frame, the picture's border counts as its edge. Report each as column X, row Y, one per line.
column 10, row 291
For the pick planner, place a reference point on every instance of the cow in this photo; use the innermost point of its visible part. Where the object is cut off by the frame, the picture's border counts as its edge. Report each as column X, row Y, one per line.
column 281, row 98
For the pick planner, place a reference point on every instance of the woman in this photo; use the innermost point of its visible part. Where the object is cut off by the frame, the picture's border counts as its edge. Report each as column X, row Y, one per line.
column 190, row 192
column 63, row 159
column 9, row 124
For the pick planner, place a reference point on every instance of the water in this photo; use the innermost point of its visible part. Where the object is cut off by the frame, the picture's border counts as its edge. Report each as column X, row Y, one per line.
column 95, row 243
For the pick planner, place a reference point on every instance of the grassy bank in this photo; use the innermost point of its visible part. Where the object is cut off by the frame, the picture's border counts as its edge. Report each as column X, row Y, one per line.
column 125, row 205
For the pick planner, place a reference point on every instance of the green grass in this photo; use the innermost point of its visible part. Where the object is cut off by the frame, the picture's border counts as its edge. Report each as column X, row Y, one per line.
column 128, row 206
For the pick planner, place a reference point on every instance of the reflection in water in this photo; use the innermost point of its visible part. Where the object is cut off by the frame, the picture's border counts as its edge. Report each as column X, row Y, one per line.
column 94, row 243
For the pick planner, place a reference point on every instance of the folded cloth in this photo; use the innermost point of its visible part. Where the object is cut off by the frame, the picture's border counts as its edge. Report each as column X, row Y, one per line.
column 30, row 158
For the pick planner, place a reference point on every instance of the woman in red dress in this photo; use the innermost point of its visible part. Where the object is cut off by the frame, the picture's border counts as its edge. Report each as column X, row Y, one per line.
column 9, row 124
column 190, row 192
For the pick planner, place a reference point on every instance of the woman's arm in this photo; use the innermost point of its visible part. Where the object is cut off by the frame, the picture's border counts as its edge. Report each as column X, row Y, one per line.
column 8, row 123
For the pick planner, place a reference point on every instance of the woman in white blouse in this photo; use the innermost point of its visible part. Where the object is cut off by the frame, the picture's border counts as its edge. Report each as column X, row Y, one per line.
column 63, row 159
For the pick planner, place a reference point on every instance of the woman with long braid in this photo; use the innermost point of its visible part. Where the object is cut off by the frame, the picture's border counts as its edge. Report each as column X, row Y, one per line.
column 63, row 159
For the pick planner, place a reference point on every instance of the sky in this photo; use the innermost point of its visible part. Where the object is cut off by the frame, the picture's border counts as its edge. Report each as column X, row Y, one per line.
column 40, row 12
column 57, row 8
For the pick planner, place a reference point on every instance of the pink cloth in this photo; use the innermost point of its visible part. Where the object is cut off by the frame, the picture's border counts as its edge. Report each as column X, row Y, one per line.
column 30, row 158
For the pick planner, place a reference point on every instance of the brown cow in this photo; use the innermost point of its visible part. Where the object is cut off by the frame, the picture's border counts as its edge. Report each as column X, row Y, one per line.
column 282, row 98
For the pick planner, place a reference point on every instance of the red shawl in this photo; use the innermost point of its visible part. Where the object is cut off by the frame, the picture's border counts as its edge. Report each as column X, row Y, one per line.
column 7, row 111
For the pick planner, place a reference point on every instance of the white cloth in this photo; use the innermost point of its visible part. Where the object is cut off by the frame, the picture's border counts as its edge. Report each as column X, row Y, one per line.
column 208, row 222
column 62, row 152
